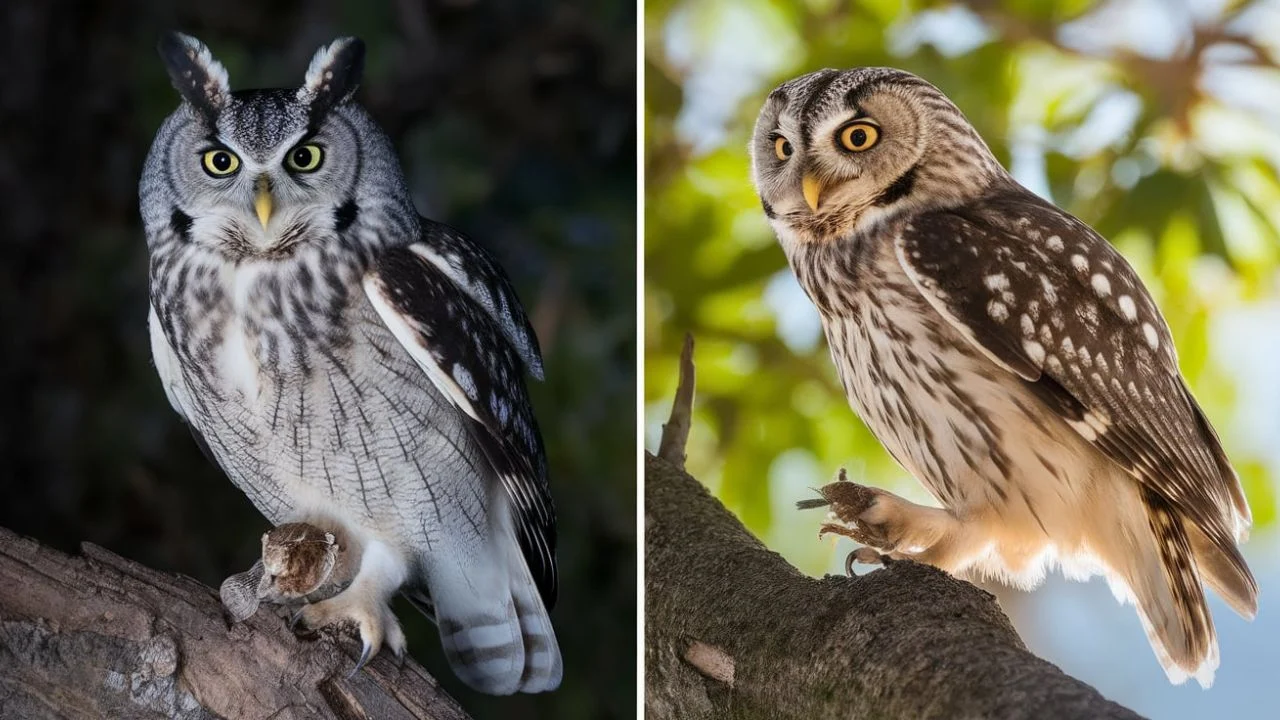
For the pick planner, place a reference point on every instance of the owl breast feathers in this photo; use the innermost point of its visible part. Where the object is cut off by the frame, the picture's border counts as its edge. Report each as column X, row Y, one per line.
column 1005, row 354
column 351, row 366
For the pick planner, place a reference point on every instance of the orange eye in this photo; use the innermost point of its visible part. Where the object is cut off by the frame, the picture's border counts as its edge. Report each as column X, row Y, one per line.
column 782, row 148
column 858, row 136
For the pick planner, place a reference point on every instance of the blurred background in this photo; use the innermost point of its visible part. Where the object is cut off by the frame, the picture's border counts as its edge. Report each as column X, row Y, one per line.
column 515, row 122
column 1156, row 122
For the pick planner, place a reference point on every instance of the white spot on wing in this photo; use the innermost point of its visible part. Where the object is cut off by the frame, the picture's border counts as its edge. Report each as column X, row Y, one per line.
column 998, row 311
column 1080, row 263
column 468, row 384
column 1055, row 243
column 1127, row 308
column 1101, row 284
column 1035, row 351
column 1028, row 326
column 1153, row 339
column 997, row 282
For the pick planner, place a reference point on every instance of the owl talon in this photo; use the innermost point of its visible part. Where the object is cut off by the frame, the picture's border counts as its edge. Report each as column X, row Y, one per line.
column 365, row 654
column 375, row 624
column 866, row 556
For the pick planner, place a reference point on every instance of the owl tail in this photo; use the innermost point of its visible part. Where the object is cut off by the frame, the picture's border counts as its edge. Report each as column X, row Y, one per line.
column 494, row 628
column 1170, row 599
column 1225, row 572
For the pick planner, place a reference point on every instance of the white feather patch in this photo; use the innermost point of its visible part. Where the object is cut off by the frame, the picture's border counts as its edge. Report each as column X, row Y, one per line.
column 409, row 337
column 167, row 364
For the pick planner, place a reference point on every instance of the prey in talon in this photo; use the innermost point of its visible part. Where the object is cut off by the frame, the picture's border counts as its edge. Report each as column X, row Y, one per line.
column 307, row 566
column 852, row 514
column 298, row 564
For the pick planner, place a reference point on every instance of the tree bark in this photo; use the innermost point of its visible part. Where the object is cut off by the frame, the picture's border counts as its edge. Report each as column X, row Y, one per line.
column 733, row 630
column 100, row 636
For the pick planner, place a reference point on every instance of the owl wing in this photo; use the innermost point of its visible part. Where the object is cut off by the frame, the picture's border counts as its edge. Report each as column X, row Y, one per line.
column 453, row 309
column 1049, row 299
column 169, row 368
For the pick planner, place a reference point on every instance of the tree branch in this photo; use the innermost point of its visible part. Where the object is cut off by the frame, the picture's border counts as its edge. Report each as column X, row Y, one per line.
column 675, row 433
column 733, row 630
column 101, row 636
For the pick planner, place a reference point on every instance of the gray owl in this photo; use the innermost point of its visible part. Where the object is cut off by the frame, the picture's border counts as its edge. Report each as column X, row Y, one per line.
column 350, row 364
column 1006, row 355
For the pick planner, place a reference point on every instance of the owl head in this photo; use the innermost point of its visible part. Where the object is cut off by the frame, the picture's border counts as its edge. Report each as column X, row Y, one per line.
column 255, row 173
column 836, row 151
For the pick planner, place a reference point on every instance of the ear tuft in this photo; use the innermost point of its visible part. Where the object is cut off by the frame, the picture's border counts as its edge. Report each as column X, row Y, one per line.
column 333, row 76
column 201, row 80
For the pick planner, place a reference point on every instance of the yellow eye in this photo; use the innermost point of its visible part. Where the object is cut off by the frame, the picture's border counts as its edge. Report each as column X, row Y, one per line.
column 782, row 148
column 858, row 136
column 221, row 163
column 304, row 158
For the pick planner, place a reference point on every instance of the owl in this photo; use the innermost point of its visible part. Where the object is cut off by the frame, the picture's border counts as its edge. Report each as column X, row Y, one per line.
column 1006, row 356
column 350, row 364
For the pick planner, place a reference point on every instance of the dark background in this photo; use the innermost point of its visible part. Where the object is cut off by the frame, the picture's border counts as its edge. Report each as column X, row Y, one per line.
column 515, row 122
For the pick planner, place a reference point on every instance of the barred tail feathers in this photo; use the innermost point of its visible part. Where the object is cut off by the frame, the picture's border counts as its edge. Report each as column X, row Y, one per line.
column 1170, row 599
column 494, row 628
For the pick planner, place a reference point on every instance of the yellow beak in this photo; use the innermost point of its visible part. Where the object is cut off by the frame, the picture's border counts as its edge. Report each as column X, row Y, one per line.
column 262, row 203
column 812, row 189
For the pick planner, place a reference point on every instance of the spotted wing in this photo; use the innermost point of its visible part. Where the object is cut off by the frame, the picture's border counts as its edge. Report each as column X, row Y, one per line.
column 1055, row 303
column 478, row 274
column 437, row 308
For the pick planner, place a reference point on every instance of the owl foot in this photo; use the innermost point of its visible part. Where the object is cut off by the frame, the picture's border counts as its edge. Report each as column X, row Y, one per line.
column 867, row 555
column 900, row 529
column 374, row 622
column 854, row 512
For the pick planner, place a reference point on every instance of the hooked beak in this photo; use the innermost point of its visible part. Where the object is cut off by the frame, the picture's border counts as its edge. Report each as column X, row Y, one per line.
column 262, row 202
column 812, row 189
